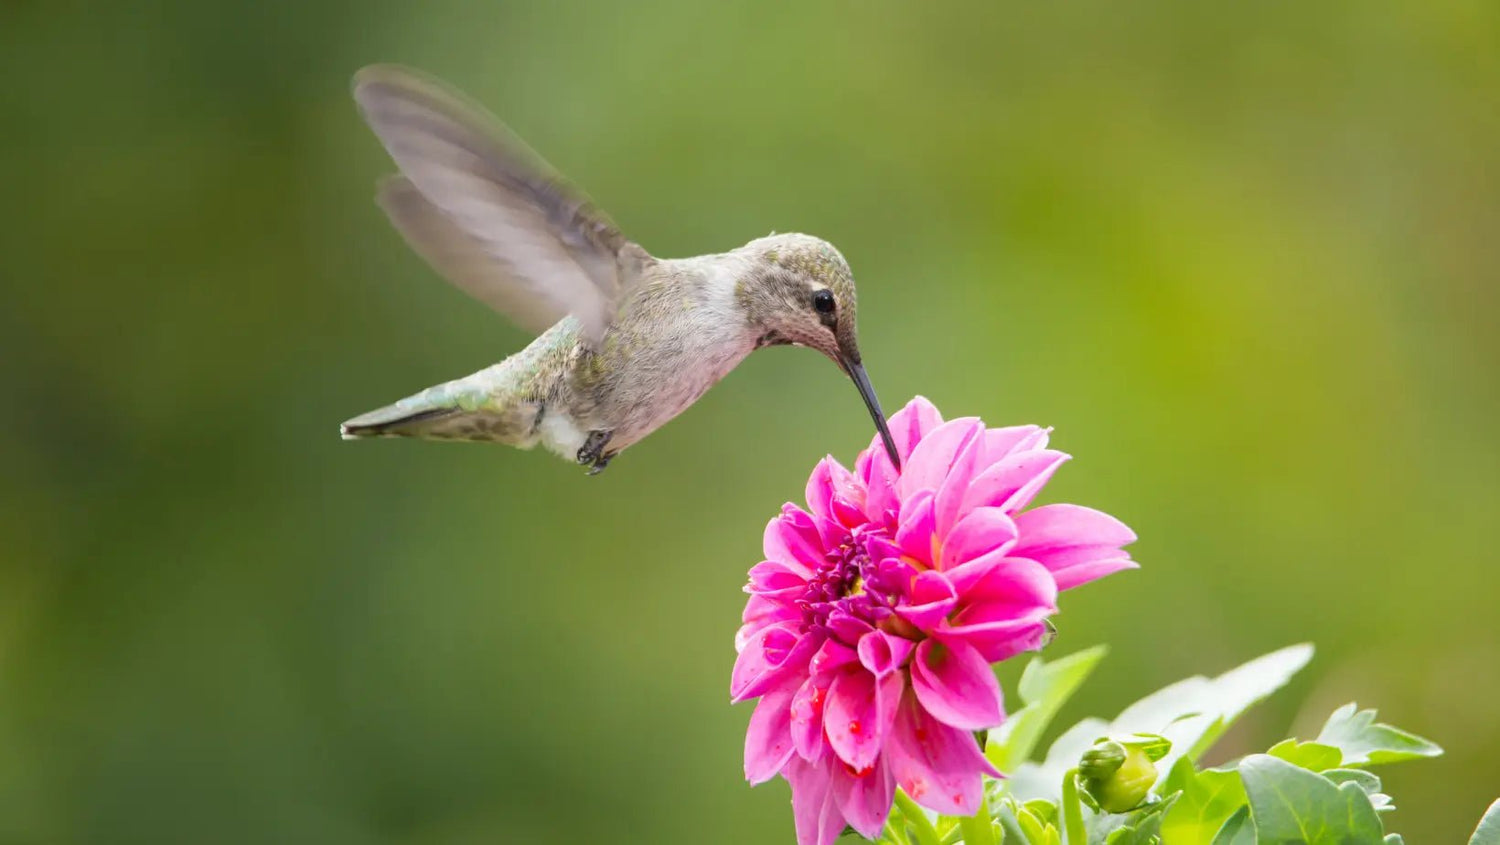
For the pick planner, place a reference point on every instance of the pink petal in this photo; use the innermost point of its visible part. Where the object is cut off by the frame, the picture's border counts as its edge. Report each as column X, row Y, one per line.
column 791, row 539
column 998, row 635
column 768, row 739
column 857, row 715
column 1076, row 543
column 883, row 653
column 947, row 506
column 914, row 534
column 760, row 613
column 847, row 505
column 932, row 599
column 846, row 627
column 814, row 804
column 881, row 496
column 939, row 766
column 772, row 577
column 1012, row 482
column 983, row 531
column 806, row 717
column 833, row 655
column 931, row 460
column 999, row 442
column 955, row 684
column 909, row 426
column 819, row 491
column 1065, row 526
column 767, row 657
column 1014, row 586
column 865, row 798
column 1073, row 574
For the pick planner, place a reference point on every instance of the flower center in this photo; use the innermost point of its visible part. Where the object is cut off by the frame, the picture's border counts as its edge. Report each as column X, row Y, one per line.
column 848, row 586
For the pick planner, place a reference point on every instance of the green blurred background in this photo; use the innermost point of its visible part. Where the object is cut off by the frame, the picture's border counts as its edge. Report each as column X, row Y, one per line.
column 1244, row 258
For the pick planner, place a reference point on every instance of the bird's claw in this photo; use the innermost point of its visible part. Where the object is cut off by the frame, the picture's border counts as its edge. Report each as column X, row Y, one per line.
column 592, row 453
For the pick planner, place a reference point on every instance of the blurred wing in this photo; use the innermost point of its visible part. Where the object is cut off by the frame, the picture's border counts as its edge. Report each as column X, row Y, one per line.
column 462, row 258
column 490, row 214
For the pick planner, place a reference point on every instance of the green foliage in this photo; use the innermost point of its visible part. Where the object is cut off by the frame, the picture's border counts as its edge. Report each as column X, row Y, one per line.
column 1191, row 713
column 1364, row 741
column 1292, row 804
column 1488, row 831
column 1314, row 793
column 1044, row 688
column 1206, row 800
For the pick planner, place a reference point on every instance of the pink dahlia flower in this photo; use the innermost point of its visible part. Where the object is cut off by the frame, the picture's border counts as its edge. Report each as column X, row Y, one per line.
column 874, row 619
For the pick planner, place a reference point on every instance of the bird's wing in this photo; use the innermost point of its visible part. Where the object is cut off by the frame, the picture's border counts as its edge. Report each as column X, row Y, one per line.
column 488, row 213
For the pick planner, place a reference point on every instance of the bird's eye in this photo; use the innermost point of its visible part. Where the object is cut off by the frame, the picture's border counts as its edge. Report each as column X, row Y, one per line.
column 823, row 301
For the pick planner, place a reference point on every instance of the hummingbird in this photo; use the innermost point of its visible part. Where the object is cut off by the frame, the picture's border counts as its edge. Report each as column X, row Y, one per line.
column 626, row 341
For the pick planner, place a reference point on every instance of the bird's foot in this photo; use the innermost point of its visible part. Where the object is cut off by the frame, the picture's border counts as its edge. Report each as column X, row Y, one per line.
column 592, row 453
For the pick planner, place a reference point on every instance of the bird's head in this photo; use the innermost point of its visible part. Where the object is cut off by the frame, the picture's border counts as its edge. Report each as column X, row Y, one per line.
column 798, row 290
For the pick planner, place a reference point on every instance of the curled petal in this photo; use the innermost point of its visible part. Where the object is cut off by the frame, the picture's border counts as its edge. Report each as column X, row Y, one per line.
column 806, row 718
column 1012, row 482
column 768, row 657
column 932, row 599
column 883, row 653
column 761, row 613
column 865, row 797
column 858, row 714
column 792, row 539
column 954, row 683
column 819, row 491
column 933, row 458
column 772, row 577
column 814, row 804
column 983, row 531
column 938, row 765
column 768, row 739
column 847, row 627
column 832, row 656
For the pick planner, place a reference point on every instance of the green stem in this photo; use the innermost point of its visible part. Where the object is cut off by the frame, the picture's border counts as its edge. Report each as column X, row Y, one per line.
column 1072, row 810
column 926, row 834
column 977, row 828
column 894, row 832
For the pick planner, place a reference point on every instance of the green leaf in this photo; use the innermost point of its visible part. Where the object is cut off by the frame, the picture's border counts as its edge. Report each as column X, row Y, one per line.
column 1488, row 832
column 1139, row 827
column 1291, row 804
column 1192, row 713
column 1044, row 688
column 1207, row 800
column 1238, row 829
column 1366, row 781
column 1366, row 742
column 1313, row 756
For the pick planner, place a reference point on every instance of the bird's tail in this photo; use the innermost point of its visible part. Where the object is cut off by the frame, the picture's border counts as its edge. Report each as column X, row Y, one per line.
column 463, row 409
column 398, row 420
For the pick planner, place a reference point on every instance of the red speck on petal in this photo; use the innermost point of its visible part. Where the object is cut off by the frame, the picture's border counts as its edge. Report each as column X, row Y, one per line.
column 855, row 727
column 859, row 773
column 817, row 699
column 958, row 798
column 915, row 789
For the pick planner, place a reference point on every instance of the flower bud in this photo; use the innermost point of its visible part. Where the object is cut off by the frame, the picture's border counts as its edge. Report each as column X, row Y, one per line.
column 1117, row 774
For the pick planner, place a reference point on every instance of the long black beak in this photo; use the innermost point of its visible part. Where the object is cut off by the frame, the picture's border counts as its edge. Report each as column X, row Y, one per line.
column 856, row 372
